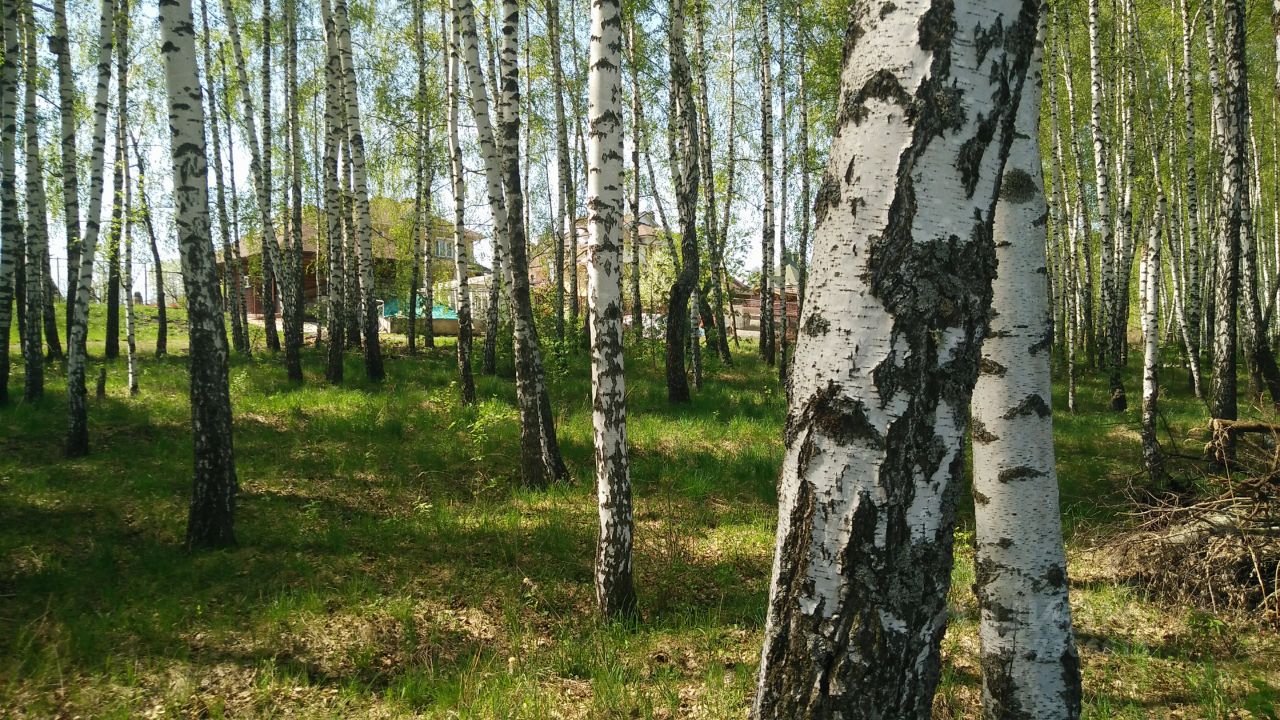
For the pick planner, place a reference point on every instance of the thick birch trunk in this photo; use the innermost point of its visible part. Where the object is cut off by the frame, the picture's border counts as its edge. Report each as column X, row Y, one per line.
column 615, row 592
column 887, row 358
column 212, row 516
column 1030, row 668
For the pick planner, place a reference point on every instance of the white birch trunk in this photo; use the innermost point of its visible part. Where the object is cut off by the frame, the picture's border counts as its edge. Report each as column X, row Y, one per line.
column 77, row 444
column 37, row 235
column 887, row 358
column 615, row 592
column 1030, row 668
column 457, row 174
column 212, row 515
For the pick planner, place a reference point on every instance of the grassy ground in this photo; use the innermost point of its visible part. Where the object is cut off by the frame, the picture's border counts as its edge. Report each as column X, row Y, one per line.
column 389, row 564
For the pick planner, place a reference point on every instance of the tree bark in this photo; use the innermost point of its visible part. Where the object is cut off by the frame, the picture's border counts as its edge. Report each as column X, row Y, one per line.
column 212, row 516
column 1231, row 217
column 767, row 228
column 335, row 129
column 684, row 152
column 77, row 444
column 460, row 260
column 1030, row 668
column 60, row 44
column 360, row 185
column 10, row 223
column 615, row 590
column 887, row 358
column 231, row 266
column 162, row 315
column 37, row 240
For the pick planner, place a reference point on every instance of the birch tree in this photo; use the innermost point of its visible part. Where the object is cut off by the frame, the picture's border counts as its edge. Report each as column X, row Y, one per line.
column 333, row 207
column 888, row 354
column 684, row 151
column 77, row 357
column 539, row 449
column 60, row 43
column 259, row 171
column 767, row 229
column 1231, row 216
column 211, row 519
column 10, row 223
column 359, row 174
column 461, row 261
column 230, row 258
column 37, row 235
column 1030, row 667
column 615, row 591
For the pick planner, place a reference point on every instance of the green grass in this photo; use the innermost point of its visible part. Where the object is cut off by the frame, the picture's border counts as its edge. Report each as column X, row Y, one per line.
column 391, row 565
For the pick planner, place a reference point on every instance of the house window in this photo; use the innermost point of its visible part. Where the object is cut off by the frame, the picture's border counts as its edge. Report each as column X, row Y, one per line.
column 444, row 249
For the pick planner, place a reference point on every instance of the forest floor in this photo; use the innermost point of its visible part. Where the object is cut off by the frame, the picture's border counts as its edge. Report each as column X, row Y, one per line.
column 391, row 566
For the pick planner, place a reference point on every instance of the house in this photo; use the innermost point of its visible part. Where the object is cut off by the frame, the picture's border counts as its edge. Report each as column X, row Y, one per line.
column 542, row 256
column 392, row 255
column 746, row 303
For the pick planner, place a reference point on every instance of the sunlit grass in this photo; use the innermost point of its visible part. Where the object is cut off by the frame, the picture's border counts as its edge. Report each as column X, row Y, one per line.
column 390, row 563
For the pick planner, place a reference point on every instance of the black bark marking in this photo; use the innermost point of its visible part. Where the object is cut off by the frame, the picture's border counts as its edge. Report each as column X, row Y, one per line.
column 980, row 432
column 1032, row 404
column 815, row 325
column 1022, row 472
column 987, row 366
column 882, row 85
column 1018, row 186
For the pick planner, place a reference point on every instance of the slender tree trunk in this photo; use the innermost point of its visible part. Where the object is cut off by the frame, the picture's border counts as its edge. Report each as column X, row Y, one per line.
column 1192, row 197
column 260, row 171
column 731, row 140
column 162, row 315
column 874, row 444
column 37, row 240
column 335, row 130
column 10, row 226
column 60, row 44
column 767, row 228
column 529, row 370
column 1030, row 667
column 802, row 99
column 783, row 185
column 710, row 222
column 77, row 444
column 231, row 266
column 117, row 211
column 130, row 336
column 212, row 516
column 457, row 175
column 683, row 130
column 372, row 349
column 1231, row 217
column 566, row 237
column 615, row 591
column 540, row 454
column 273, row 264
column 637, row 304
column 1102, row 174
column 415, row 272
column 1152, row 459
column 293, row 263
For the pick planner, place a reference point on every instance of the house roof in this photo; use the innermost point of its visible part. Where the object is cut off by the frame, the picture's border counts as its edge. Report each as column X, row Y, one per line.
column 392, row 223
